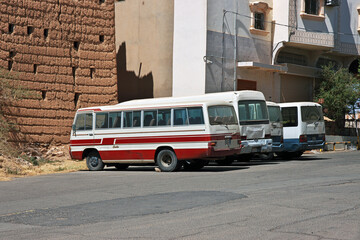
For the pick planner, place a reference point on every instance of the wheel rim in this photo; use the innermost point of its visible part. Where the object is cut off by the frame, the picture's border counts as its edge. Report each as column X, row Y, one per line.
column 166, row 160
column 94, row 161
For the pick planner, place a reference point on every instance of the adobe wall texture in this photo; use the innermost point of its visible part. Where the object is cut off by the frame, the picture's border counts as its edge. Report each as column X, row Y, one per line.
column 64, row 51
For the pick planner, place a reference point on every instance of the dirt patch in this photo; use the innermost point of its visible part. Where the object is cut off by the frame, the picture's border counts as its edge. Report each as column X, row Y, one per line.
column 38, row 161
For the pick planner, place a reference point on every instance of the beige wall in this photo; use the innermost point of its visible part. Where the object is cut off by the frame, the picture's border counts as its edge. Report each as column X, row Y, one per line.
column 144, row 32
column 296, row 88
column 265, row 82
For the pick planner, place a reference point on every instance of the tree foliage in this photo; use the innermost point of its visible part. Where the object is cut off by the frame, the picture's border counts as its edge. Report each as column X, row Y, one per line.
column 340, row 90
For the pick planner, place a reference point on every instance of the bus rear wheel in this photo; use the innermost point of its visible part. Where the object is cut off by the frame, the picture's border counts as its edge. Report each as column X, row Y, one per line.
column 94, row 162
column 167, row 161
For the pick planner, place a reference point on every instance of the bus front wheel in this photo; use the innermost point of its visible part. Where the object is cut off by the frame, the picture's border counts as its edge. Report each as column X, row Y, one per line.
column 167, row 161
column 94, row 162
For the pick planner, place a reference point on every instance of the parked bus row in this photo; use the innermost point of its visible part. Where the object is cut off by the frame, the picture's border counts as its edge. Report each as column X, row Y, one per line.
column 189, row 132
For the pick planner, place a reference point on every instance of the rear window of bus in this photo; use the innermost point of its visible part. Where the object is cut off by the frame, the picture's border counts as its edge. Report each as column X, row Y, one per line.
column 311, row 114
column 222, row 115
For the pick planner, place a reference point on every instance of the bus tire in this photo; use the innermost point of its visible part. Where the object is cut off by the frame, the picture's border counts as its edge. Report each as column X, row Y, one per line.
column 94, row 162
column 193, row 165
column 167, row 161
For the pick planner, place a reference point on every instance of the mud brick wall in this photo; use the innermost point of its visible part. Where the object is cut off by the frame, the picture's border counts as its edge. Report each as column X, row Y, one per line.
column 64, row 52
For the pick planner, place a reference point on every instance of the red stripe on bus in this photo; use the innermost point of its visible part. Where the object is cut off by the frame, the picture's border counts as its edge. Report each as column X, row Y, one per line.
column 152, row 139
column 82, row 142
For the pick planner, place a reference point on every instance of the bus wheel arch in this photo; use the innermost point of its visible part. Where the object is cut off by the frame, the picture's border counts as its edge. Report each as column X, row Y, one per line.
column 87, row 151
column 166, row 159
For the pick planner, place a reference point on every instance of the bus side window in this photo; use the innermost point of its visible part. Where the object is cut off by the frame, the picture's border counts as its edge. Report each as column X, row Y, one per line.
column 150, row 118
column 196, row 115
column 101, row 120
column 115, row 120
column 136, row 118
column 180, row 117
column 164, row 117
column 88, row 121
column 289, row 116
column 127, row 119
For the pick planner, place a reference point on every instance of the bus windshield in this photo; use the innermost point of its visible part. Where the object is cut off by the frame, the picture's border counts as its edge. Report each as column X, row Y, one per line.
column 311, row 114
column 252, row 110
column 274, row 114
column 222, row 115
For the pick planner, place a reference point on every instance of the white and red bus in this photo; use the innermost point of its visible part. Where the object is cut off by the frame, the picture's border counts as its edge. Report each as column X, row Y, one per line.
column 252, row 113
column 169, row 133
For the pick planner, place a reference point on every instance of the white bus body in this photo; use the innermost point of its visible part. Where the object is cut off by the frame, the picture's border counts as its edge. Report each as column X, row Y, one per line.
column 252, row 113
column 276, row 126
column 304, row 127
column 152, row 131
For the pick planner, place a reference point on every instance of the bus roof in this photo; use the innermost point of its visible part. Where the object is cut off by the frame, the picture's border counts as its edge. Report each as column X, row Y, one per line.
column 139, row 105
column 268, row 103
column 295, row 104
column 220, row 96
column 209, row 98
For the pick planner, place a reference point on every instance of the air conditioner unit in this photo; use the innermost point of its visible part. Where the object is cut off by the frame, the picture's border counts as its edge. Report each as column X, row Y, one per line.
column 332, row 3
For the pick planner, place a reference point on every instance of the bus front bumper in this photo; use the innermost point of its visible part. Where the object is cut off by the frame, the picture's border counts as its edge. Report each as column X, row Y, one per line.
column 256, row 146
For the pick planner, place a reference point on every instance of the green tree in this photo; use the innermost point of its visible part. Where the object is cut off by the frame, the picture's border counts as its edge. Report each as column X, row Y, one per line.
column 340, row 90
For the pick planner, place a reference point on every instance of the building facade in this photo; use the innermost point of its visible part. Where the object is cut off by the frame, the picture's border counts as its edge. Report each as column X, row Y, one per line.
column 311, row 34
column 277, row 47
column 63, row 52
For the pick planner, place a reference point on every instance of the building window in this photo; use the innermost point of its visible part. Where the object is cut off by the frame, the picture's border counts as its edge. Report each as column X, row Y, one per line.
column 11, row 28
column 35, row 68
column 46, row 33
column 30, row 30
column 286, row 57
column 259, row 18
column 101, row 38
column 312, row 10
column 311, row 7
column 259, row 21
column 92, row 73
column 76, row 45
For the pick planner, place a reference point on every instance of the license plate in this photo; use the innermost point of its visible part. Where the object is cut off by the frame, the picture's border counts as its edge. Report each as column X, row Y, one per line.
column 228, row 141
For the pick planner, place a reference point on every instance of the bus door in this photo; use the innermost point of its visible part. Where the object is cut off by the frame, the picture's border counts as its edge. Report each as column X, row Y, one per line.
column 313, row 126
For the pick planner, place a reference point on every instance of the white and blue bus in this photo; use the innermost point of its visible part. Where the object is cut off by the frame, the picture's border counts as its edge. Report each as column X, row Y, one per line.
column 303, row 126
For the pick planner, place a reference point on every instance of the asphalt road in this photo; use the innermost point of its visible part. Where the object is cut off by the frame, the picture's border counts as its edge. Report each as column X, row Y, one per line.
column 315, row 197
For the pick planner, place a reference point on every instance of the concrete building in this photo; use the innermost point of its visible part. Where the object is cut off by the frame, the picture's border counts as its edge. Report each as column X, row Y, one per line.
column 63, row 52
column 319, row 32
column 276, row 47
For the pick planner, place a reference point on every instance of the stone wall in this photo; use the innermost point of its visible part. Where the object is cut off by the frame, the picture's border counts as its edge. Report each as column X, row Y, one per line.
column 64, row 52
